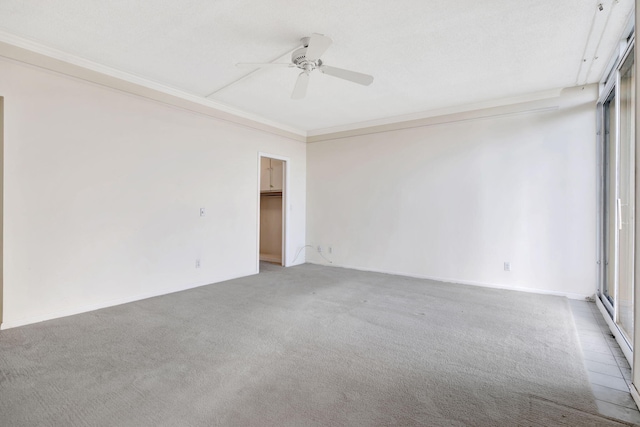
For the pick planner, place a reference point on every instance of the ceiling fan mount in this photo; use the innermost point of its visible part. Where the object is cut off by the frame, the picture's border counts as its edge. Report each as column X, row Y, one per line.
column 307, row 59
column 305, row 41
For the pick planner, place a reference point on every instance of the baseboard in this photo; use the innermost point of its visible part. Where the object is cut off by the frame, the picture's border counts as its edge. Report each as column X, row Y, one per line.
column 165, row 291
column 296, row 263
column 110, row 303
column 465, row 282
column 634, row 393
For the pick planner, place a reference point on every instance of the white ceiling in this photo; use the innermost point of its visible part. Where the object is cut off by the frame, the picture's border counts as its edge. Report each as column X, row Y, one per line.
column 424, row 55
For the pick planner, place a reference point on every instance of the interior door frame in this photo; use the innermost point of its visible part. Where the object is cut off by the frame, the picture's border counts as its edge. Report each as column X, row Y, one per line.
column 285, row 207
column 1, row 207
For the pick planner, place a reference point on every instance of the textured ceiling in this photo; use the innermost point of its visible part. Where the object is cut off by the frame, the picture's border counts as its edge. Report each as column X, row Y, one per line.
column 424, row 55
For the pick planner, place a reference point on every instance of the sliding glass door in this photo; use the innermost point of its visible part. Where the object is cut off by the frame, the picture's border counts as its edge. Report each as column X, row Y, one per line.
column 626, row 199
column 617, row 211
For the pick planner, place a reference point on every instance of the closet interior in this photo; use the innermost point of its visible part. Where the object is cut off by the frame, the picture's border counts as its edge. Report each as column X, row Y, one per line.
column 271, row 209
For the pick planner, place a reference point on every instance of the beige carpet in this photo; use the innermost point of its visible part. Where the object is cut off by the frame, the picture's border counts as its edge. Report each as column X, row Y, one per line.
column 304, row 346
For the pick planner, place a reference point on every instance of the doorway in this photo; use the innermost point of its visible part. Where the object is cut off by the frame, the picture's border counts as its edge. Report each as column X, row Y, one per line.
column 272, row 224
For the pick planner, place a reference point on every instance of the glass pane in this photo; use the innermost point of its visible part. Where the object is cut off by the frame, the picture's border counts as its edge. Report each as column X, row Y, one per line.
column 626, row 191
column 609, row 199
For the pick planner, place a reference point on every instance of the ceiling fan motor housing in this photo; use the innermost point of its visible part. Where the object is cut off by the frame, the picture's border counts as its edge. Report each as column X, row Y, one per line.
column 299, row 59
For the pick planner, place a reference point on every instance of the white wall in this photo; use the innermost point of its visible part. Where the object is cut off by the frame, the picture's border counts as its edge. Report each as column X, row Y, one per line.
column 454, row 201
column 103, row 190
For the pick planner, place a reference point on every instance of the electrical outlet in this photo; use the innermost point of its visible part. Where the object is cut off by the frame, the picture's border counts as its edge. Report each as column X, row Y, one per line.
column 201, row 211
column 507, row 266
column 319, row 249
column 197, row 263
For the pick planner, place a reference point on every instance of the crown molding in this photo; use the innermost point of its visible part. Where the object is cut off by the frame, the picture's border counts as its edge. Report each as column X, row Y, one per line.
column 33, row 53
column 407, row 120
column 534, row 103
column 30, row 52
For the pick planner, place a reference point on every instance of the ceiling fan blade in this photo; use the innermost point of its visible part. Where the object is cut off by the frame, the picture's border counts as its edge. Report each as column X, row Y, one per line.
column 318, row 44
column 266, row 65
column 300, row 90
column 362, row 79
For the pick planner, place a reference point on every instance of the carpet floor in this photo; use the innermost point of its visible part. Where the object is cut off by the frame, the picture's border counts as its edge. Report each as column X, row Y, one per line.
column 304, row 346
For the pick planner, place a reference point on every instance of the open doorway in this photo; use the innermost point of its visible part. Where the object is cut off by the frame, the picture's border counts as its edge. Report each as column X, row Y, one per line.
column 271, row 210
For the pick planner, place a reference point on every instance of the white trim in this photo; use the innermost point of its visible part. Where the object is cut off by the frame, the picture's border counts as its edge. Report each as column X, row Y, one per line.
column 33, row 53
column 622, row 342
column 501, row 102
column 569, row 295
column 626, row 41
column 549, row 101
column 111, row 303
column 431, row 121
column 634, row 393
column 30, row 52
column 47, row 52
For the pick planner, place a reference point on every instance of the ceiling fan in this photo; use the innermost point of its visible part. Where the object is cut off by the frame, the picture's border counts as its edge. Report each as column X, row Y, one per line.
column 307, row 58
